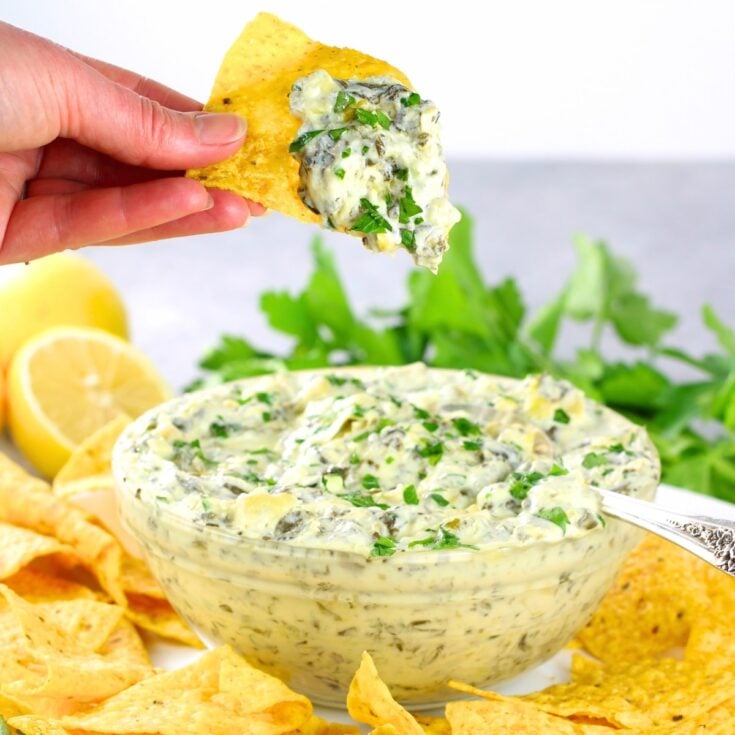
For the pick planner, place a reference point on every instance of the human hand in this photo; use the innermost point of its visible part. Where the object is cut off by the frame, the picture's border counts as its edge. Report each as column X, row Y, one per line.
column 94, row 154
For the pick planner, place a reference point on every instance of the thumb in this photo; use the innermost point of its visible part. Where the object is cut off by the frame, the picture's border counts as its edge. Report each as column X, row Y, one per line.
column 130, row 127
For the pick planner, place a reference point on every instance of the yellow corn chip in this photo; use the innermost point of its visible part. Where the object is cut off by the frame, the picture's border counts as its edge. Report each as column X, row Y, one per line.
column 90, row 461
column 220, row 694
column 369, row 701
column 20, row 546
column 157, row 616
column 66, row 650
column 254, row 81
column 41, row 586
column 317, row 726
column 28, row 502
column 433, row 725
column 657, row 596
column 137, row 579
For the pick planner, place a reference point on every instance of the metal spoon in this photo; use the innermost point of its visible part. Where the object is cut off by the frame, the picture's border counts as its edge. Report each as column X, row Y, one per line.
column 711, row 539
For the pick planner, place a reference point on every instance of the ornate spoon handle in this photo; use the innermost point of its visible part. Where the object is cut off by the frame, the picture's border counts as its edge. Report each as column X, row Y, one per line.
column 711, row 539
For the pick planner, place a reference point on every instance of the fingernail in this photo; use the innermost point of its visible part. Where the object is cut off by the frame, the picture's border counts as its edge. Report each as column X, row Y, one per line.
column 210, row 202
column 219, row 128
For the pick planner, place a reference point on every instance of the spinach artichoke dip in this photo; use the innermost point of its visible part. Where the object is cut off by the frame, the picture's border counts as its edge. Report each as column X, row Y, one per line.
column 444, row 520
column 371, row 163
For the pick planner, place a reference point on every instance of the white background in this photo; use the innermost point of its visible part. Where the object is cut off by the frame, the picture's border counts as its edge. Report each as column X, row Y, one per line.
column 568, row 78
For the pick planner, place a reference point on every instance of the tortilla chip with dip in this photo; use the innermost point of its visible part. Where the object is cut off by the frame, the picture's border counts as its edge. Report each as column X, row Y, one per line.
column 254, row 81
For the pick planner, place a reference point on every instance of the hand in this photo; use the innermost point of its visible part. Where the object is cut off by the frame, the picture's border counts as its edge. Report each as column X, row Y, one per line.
column 91, row 153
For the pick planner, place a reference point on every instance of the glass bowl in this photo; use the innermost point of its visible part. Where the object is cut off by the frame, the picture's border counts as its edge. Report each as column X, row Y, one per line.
column 306, row 614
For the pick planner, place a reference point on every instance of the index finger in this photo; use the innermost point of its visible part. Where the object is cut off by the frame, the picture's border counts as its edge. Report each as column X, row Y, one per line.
column 142, row 85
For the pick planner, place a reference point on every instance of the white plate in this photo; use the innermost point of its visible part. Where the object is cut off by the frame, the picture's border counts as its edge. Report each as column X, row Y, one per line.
column 553, row 671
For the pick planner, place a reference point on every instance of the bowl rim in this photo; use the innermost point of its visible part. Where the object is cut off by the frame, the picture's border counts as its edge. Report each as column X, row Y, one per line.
column 410, row 556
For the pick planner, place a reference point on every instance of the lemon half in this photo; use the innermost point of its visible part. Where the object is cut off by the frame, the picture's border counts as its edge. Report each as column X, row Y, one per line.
column 67, row 382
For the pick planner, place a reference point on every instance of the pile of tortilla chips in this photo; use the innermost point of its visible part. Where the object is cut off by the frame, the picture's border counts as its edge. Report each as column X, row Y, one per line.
column 254, row 81
column 658, row 657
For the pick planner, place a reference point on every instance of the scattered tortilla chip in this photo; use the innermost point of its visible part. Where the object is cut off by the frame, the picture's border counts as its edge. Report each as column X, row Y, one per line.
column 220, row 694
column 20, row 546
column 41, row 586
column 655, row 600
column 510, row 716
column 369, row 701
column 317, row 726
column 433, row 725
column 137, row 579
column 642, row 695
column 90, row 461
column 28, row 502
column 254, row 81
column 157, row 616
column 56, row 656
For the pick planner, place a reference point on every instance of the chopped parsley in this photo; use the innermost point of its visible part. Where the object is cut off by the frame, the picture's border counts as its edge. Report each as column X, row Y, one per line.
column 302, row 140
column 266, row 416
column 411, row 100
column 354, row 458
column 219, row 428
column 347, row 152
column 362, row 500
column 179, row 444
column 338, row 381
column 472, row 446
column 430, row 426
column 343, row 101
column 402, row 174
column 370, row 220
column 523, row 483
column 601, row 520
column 337, row 133
column 444, row 540
column 432, row 451
column 384, row 546
column 370, row 482
column 408, row 238
column 465, row 427
column 365, row 149
column 420, row 413
column 410, row 496
column 561, row 416
column 339, row 173
column 266, row 398
column 439, row 499
column 594, row 460
column 206, row 504
column 556, row 515
column 371, row 118
column 407, row 207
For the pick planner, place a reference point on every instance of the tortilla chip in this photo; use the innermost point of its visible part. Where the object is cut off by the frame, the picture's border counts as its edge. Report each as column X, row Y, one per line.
column 28, row 502
column 507, row 715
column 137, row 579
column 20, row 546
column 433, row 725
column 642, row 695
column 157, row 616
column 35, row 725
column 254, row 81
column 650, row 609
column 56, row 656
column 220, row 694
column 40, row 586
column 317, row 726
column 369, row 701
column 91, row 460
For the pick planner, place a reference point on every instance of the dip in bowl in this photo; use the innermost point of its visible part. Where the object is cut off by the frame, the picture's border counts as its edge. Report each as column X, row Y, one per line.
column 443, row 520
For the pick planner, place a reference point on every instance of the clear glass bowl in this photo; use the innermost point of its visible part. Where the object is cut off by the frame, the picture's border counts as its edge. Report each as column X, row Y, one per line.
column 306, row 615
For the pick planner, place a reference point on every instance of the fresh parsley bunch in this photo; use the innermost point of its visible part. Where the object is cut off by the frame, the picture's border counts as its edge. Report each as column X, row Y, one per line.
column 454, row 319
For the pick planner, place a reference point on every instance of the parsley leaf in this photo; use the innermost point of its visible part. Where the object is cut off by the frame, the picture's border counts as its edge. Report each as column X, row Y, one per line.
column 343, row 101
column 411, row 100
column 362, row 500
column 407, row 206
column 593, row 459
column 561, row 416
column 370, row 220
column 523, row 483
column 410, row 496
column 465, row 427
column 302, row 140
column 384, row 546
column 555, row 515
column 432, row 451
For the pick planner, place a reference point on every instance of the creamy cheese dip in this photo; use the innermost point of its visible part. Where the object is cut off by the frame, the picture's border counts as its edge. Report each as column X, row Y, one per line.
column 442, row 520
column 403, row 460
column 371, row 163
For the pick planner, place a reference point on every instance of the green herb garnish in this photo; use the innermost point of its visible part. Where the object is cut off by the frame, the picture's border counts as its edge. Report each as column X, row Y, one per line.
column 343, row 101
column 561, row 416
column 370, row 482
column 439, row 499
column 420, row 413
column 219, row 428
column 362, row 500
column 347, row 152
column 432, row 451
column 302, row 140
column 444, row 540
column 523, row 483
column 339, row 173
column 411, row 100
column 465, row 427
column 370, row 220
column 384, row 546
column 557, row 471
column 555, row 515
column 402, row 174
column 410, row 496
column 408, row 238
column 337, row 133
column 471, row 446
column 407, row 206
column 430, row 426
column 594, row 460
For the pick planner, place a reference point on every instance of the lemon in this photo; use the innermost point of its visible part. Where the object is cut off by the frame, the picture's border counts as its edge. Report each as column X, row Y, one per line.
column 58, row 289
column 68, row 382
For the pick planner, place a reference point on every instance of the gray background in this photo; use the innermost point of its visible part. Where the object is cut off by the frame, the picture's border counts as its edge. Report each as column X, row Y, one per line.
column 674, row 221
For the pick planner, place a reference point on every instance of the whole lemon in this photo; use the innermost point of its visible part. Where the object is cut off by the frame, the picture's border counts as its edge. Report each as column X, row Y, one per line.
column 61, row 289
